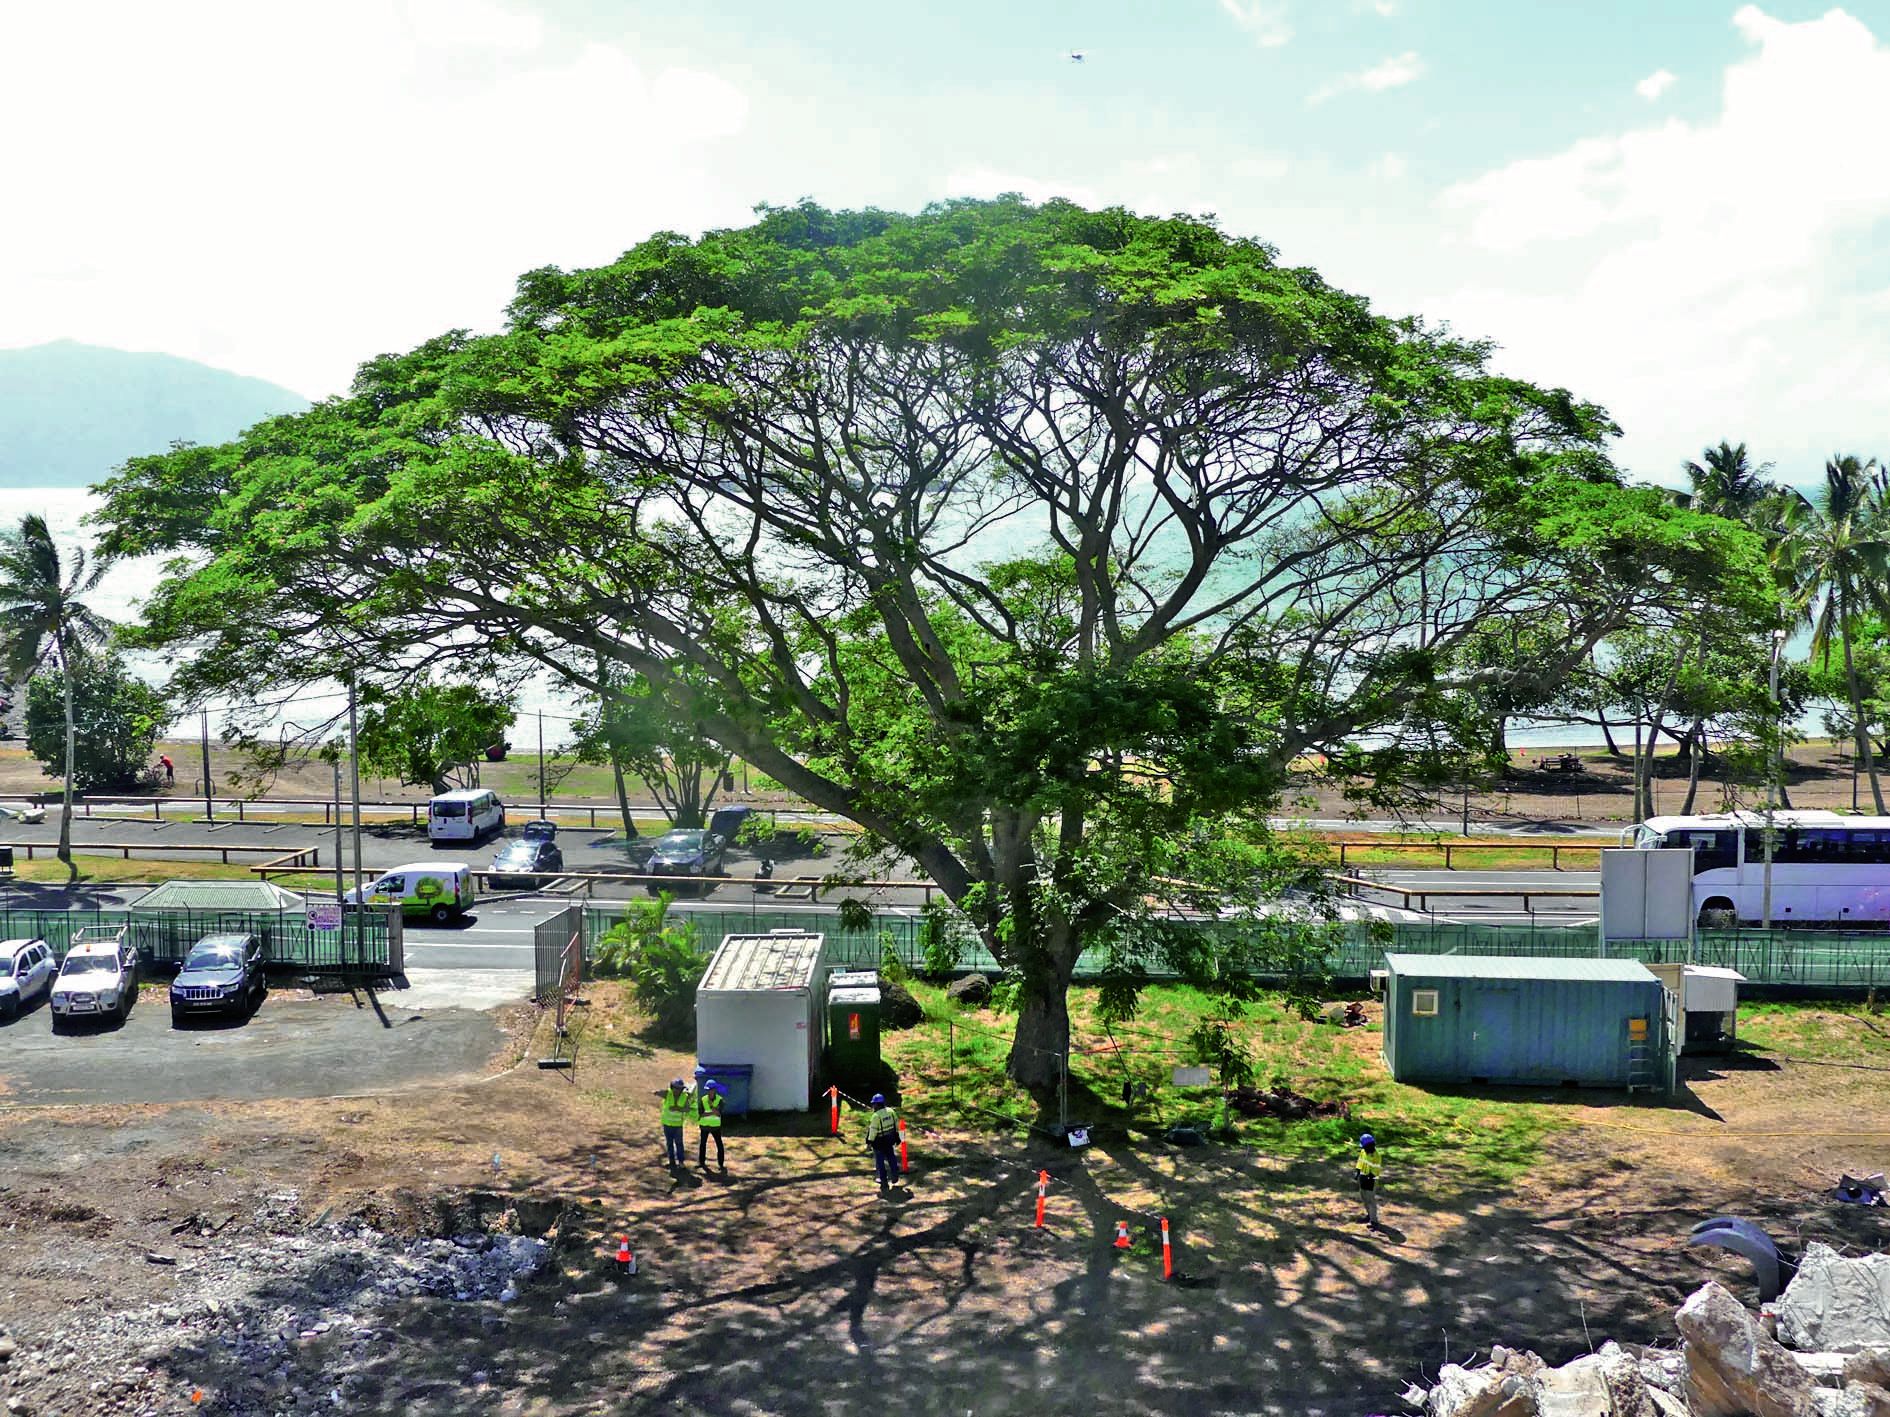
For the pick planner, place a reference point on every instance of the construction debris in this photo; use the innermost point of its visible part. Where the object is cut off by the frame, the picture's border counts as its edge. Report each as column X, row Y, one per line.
column 1729, row 1365
column 1835, row 1304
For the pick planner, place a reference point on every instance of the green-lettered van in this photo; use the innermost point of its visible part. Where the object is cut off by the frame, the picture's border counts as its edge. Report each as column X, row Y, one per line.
column 435, row 890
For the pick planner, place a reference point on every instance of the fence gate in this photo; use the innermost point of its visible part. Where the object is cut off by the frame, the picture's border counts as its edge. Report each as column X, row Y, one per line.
column 558, row 947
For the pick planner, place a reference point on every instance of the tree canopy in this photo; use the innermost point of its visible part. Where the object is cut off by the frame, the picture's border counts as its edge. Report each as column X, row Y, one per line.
column 116, row 719
column 1038, row 541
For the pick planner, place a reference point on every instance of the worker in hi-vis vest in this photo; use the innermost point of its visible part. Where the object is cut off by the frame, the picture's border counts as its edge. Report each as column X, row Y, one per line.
column 709, row 1097
column 882, row 1136
column 677, row 1105
column 1367, row 1167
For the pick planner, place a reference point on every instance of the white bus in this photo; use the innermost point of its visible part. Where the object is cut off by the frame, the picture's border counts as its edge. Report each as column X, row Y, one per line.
column 1826, row 869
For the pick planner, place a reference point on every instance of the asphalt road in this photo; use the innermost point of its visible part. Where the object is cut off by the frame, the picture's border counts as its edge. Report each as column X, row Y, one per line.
column 334, row 1046
column 1439, row 894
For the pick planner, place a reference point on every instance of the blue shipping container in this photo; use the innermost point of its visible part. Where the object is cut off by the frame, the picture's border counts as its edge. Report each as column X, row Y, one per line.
column 1526, row 1020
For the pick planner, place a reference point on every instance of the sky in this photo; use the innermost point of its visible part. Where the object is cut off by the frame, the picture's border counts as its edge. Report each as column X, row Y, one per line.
column 1675, row 208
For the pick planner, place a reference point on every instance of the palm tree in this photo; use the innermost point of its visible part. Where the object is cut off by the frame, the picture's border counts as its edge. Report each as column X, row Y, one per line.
column 1725, row 483
column 44, row 622
column 1836, row 553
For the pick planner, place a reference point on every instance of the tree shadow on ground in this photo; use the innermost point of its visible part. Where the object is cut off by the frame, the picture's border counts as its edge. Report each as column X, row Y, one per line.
column 792, row 1286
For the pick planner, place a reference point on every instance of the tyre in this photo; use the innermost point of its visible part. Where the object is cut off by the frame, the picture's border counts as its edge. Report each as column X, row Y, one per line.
column 440, row 914
column 58, row 1023
column 9, row 1011
column 177, row 1018
column 1718, row 915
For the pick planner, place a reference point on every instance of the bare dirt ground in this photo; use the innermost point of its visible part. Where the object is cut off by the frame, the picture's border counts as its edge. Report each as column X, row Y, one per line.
column 292, row 1230
column 1818, row 774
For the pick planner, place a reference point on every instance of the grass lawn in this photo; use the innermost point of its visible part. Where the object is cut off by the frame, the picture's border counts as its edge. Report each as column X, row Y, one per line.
column 1825, row 1031
column 1461, row 1140
column 1426, row 853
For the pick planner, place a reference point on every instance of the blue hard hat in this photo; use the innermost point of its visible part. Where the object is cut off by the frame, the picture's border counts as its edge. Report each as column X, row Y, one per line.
column 1368, row 1141
column 676, row 1082
column 879, row 1099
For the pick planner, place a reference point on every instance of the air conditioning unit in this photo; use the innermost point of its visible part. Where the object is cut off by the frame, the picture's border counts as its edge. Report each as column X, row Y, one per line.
column 1379, row 976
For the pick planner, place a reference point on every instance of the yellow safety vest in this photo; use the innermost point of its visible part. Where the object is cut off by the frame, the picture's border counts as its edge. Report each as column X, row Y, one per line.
column 709, row 1109
column 675, row 1107
column 882, row 1123
column 1366, row 1164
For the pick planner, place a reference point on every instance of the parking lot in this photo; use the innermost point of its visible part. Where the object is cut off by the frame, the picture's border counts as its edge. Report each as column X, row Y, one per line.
column 336, row 1045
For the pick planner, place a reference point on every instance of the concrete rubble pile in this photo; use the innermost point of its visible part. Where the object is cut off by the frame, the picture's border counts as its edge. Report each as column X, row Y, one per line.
column 1822, row 1351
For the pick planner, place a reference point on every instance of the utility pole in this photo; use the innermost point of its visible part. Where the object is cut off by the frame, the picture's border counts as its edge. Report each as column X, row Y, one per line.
column 1771, row 778
column 209, row 810
column 339, row 890
column 541, row 765
column 354, row 776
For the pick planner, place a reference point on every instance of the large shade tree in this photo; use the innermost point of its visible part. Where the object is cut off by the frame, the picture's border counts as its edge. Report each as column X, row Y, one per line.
column 1037, row 541
column 45, row 623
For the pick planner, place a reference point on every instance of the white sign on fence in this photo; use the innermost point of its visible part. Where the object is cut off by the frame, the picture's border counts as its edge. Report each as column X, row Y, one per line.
column 324, row 917
column 1190, row 1077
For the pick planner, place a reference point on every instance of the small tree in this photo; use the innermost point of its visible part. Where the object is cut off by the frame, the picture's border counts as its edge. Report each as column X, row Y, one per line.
column 432, row 736
column 637, row 730
column 664, row 962
column 116, row 721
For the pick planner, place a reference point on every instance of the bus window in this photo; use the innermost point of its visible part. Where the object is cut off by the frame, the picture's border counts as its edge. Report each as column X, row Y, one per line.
column 1711, row 850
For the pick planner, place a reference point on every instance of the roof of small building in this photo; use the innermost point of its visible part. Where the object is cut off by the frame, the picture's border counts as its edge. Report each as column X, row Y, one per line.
column 785, row 959
column 1591, row 970
column 219, row 895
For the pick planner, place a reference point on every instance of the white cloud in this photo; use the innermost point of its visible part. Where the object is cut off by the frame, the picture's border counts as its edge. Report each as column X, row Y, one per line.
column 1392, row 73
column 1389, row 167
column 287, row 189
column 1655, row 84
column 1386, row 8
column 1266, row 20
column 1710, row 279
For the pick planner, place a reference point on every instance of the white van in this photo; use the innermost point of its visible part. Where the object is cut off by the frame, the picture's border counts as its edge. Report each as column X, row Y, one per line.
column 438, row 890
column 465, row 815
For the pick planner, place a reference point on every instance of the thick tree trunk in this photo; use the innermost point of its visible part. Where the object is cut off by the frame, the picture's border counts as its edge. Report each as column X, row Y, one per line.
column 1042, row 1041
column 623, row 800
column 72, row 733
column 1696, row 756
column 1607, row 735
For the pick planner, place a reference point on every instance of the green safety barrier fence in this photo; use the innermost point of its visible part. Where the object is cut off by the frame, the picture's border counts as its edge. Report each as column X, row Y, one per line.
column 1353, row 948
column 165, row 937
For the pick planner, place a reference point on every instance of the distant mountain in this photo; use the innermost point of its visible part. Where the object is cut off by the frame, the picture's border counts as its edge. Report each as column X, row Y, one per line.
column 70, row 413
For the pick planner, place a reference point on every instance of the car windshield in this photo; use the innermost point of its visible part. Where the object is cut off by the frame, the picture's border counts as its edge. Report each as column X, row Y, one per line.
column 518, row 851
column 89, row 964
column 213, row 956
column 680, row 841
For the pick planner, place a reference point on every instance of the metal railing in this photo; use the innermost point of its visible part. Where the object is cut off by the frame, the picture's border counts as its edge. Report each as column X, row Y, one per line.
column 211, row 848
column 1450, row 848
column 1354, row 885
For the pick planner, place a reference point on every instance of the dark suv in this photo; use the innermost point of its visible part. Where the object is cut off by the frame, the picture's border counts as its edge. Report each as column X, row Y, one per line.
column 222, row 974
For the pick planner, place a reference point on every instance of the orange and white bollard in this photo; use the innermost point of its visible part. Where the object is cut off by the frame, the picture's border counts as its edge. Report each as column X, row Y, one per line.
column 626, row 1262
column 1122, row 1235
column 833, row 1095
column 1168, row 1255
column 905, row 1163
column 1043, row 1186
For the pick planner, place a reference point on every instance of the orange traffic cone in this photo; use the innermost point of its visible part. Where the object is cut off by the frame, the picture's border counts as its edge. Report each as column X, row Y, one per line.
column 626, row 1262
column 1122, row 1234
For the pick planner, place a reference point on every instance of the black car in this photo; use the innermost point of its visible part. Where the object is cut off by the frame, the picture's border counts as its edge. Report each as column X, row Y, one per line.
column 529, row 862
column 222, row 974
column 686, row 853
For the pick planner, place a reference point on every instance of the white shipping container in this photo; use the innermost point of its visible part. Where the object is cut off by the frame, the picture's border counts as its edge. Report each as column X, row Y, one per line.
column 760, row 1004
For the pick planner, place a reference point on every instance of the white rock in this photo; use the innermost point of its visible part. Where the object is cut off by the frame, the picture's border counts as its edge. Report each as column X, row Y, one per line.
column 1835, row 1304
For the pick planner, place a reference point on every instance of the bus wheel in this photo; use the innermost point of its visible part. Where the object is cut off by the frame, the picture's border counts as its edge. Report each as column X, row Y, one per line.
column 1718, row 915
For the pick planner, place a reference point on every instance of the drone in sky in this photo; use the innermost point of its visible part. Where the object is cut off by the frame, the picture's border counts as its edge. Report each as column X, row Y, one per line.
column 1076, row 56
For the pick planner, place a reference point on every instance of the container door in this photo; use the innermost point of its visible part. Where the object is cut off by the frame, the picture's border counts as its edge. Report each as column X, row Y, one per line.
column 1492, row 1018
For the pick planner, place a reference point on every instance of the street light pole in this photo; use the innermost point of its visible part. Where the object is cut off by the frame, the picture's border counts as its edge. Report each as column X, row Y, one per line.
column 541, row 765
column 354, row 778
column 1771, row 777
column 209, row 808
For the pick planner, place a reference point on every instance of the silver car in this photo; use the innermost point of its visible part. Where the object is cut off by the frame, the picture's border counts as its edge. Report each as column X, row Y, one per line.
column 95, row 981
column 26, row 972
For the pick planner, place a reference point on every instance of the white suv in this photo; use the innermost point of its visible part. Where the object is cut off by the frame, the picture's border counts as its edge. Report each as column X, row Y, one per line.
column 96, row 979
column 26, row 970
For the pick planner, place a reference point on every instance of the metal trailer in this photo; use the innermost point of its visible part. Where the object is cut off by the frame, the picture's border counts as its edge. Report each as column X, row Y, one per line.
column 1529, row 1021
column 760, row 1004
